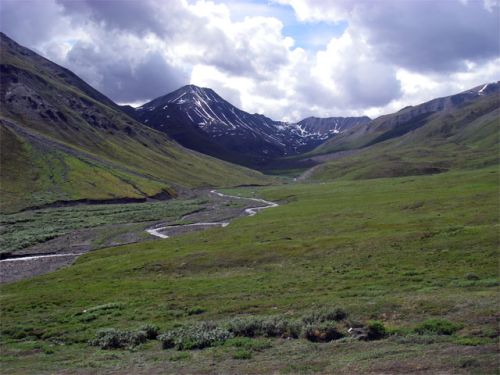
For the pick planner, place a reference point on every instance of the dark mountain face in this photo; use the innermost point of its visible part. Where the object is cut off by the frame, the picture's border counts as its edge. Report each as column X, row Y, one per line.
column 406, row 120
column 452, row 133
column 14, row 51
column 61, row 141
column 200, row 119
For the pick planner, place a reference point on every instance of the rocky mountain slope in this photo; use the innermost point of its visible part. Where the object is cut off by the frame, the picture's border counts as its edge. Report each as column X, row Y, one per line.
column 455, row 132
column 200, row 119
column 408, row 119
column 61, row 140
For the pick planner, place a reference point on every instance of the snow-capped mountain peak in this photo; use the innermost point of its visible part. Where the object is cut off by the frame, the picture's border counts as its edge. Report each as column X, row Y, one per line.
column 203, row 111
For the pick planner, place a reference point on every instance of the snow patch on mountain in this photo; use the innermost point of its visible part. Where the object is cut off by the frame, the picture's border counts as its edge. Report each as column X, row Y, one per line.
column 236, row 130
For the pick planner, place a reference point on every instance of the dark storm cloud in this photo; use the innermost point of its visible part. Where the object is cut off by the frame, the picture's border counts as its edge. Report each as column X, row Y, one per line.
column 423, row 35
column 135, row 50
column 124, row 81
column 124, row 72
column 172, row 22
column 29, row 22
column 138, row 17
column 431, row 35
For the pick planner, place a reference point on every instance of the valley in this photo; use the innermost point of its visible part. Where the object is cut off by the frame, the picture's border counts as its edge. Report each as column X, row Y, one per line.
column 187, row 236
column 38, row 247
column 343, row 244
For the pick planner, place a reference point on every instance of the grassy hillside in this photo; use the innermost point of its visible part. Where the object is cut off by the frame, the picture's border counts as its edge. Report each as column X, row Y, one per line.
column 465, row 137
column 470, row 104
column 62, row 140
column 399, row 250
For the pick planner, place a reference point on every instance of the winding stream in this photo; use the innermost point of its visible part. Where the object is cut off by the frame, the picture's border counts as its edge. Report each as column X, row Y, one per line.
column 248, row 211
column 157, row 231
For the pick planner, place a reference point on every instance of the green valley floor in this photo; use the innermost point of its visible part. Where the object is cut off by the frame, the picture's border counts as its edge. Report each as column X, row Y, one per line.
column 417, row 255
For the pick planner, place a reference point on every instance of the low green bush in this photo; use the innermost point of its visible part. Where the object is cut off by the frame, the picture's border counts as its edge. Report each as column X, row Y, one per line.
column 110, row 338
column 437, row 327
column 376, row 330
column 151, row 331
column 322, row 328
column 324, row 315
column 245, row 326
column 272, row 326
column 322, row 332
column 197, row 336
column 281, row 327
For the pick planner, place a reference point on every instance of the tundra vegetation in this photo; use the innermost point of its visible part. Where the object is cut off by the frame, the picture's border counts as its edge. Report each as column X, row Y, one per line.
column 409, row 263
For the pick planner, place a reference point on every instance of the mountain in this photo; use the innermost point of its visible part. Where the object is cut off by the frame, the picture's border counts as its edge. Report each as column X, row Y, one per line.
column 63, row 141
column 455, row 132
column 200, row 119
column 406, row 120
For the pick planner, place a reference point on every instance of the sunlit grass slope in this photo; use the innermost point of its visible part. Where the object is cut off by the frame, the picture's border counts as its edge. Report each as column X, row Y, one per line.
column 466, row 138
column 400, row 250
column 63, row 140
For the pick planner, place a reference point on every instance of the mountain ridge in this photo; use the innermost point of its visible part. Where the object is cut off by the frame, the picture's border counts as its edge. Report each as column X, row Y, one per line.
column 220, row 129
column 405, row 120
column 459, row 131
column 62, row 140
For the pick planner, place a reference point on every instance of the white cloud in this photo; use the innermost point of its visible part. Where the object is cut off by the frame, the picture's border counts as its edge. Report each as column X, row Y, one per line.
column 392, row 53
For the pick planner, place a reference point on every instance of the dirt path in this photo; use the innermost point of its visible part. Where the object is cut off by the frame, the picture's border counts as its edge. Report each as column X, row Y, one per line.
column 32, row 264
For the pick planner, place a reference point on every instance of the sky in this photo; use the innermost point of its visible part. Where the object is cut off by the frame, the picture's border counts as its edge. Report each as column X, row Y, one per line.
column 287, row 59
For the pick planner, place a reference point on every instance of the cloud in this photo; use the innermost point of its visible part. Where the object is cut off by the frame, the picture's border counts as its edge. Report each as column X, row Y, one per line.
column 130, row 78
column 20, row 19
column 385, row 54
column 420, row 35
column 135, row 17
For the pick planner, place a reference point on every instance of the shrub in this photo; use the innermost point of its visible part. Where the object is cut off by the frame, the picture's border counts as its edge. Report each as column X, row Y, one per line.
column 280, row 327
column 322, row 332
column 273, row 326
column 324, row 315
column 150, row 330
column 111, row 338
column 197, row 336
column 376, row 330
column 167, row 339
column 437, row 327
column 247, row 327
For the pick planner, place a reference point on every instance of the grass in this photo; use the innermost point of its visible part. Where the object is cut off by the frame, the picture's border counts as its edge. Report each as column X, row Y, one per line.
column 90, row 150
column 466, row 138
column 399, row 251
column 24, row 229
